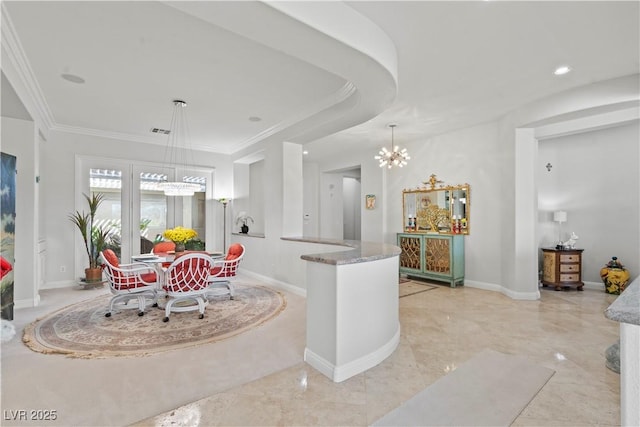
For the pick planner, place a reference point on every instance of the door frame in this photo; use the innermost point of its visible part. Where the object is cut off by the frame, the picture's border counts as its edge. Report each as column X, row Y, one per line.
column 130, row 200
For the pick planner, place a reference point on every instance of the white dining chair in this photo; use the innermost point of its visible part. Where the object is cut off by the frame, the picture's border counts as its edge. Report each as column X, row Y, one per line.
column 135, row 281
column 186, row 284
column 224, row 272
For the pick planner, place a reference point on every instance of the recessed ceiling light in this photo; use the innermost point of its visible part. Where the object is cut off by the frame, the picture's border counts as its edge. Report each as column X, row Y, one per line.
column 254, row 119
column 305, row 152
column 561, row 70
column 72, row 78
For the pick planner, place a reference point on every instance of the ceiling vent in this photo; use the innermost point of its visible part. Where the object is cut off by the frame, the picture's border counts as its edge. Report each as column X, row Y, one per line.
column 161, row 131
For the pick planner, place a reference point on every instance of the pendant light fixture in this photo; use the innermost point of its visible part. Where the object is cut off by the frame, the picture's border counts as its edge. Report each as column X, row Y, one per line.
column 176, row 155
column 394, row 157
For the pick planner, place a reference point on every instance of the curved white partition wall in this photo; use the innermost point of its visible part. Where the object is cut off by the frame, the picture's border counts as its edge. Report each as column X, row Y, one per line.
column 352, row 307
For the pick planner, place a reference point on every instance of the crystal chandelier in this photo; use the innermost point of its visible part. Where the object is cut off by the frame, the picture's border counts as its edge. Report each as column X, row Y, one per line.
column 176, row 156
column 394, row 157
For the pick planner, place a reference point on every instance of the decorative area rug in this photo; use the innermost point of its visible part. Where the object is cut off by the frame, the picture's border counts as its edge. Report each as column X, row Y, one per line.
column 410, row 287
column 81, row 330
column 490, row 389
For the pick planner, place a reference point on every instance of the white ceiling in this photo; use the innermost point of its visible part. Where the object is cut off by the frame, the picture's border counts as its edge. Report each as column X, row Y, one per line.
column 458, row 64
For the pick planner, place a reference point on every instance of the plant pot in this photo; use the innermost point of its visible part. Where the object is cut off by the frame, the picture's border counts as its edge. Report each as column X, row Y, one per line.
column 93, row 274
column 244, row 229
column 180, row 248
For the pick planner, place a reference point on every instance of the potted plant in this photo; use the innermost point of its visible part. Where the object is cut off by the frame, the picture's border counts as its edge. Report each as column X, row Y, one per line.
column 94, row 238
column 180, row 236
column 242, row 218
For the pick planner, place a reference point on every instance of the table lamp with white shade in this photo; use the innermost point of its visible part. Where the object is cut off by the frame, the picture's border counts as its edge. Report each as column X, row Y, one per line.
column 560, row 217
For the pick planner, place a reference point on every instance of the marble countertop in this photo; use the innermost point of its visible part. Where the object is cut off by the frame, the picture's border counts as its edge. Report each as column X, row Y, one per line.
column 359, row 252
column 626, row 308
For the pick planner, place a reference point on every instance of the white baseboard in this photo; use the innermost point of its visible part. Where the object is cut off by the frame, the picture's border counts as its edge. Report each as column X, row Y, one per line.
column 343, row 372
column 596, row 286
column 35, row 301
column 319, row 363
column 529, row 296
column 26, row 303
column 59, row 284
column 525, row 296
column 276, row 283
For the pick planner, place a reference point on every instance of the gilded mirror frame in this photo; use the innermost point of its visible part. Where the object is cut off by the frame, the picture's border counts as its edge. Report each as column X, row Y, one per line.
column 437, row 208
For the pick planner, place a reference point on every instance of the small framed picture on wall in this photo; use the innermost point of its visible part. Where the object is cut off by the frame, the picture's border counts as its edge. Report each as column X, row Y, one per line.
column 370, row 200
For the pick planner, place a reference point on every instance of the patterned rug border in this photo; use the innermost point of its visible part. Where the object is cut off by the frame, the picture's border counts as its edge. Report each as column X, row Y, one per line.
column 29, row 337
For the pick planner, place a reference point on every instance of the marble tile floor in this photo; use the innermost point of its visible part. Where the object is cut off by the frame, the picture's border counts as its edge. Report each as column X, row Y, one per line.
column 118, row 391
column 565, row 331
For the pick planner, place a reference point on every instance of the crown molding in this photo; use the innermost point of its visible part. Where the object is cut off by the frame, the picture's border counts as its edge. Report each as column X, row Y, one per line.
column 104, row 134
column 155, row 139
column 15, row 54
column 347, row 90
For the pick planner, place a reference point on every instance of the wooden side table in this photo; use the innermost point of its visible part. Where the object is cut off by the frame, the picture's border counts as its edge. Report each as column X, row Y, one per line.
column 562, row 267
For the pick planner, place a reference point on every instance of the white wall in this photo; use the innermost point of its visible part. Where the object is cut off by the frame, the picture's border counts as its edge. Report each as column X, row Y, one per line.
column 373, row 226
column 472, row 156
column 330, row 213
column 581, row 107
column 241, row 195
column 311, row 200
column 19, row 139
column 501, row 249
column 595, row 178
column 292, row 190
column 351, row 208
column 269, row 257
column 58, row 175
column 257, row 194
column 331, row 206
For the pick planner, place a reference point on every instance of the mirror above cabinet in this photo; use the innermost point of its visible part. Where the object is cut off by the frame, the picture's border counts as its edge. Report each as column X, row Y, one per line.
column 437, row 208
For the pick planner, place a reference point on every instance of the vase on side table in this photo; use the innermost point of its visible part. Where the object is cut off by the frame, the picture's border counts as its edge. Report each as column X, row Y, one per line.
column 179, row 248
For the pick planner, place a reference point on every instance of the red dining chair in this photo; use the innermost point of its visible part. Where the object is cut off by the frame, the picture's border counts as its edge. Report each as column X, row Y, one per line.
column 163, row 248
column 129, row 281
column 223, row 271
column 187, row 279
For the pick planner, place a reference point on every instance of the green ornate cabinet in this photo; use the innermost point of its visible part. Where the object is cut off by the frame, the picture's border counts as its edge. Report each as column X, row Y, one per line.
column 433, row 256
